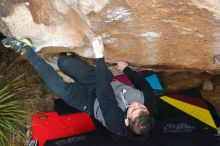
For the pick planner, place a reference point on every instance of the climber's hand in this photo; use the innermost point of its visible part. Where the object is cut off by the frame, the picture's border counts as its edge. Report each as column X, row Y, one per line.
column 121, row 65
column 98, row 47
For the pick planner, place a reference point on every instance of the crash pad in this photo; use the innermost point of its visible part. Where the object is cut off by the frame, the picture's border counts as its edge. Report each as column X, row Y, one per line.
column 50, row 125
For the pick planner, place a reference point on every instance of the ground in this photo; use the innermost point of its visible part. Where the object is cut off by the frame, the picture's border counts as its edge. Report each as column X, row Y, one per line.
column 40, row 98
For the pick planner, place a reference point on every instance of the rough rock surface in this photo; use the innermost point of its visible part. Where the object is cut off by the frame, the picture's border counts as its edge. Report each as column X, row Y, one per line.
column 159, row 34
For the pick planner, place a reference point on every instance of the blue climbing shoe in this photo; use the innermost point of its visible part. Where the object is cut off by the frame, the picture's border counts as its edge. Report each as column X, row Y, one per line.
column 16, row 45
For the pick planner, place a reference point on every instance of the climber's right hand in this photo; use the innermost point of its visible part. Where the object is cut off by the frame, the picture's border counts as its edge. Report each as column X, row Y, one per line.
column 98, row 47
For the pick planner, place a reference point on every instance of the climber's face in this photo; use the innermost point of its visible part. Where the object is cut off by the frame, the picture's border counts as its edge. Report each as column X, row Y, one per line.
column 134, row 111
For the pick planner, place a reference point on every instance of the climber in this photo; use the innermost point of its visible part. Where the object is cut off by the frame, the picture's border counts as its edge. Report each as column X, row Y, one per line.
column 122, row 109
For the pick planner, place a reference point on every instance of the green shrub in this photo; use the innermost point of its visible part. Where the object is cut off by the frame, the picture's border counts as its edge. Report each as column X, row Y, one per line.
column 12, row 112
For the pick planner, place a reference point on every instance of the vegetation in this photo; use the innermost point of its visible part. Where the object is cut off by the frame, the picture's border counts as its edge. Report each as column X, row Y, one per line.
column 12, row 111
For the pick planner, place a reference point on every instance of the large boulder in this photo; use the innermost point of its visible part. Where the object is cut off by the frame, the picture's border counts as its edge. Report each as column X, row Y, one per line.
column 159, row 34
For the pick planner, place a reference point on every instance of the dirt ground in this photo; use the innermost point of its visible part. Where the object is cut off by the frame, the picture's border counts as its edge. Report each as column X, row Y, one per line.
column 40, row 97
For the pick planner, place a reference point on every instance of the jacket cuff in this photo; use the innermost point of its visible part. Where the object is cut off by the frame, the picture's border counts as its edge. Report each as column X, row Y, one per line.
column 99, row 59
column 127, row 70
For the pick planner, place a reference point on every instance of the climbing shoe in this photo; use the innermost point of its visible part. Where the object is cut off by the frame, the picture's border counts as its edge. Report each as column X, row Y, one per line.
column 16, row 45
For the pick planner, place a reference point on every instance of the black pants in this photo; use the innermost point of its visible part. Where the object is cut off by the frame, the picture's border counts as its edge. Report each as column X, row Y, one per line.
column 82, row 94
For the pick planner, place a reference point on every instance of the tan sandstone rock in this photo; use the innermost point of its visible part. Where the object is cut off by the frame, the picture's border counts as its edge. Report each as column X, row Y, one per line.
column 158, row 34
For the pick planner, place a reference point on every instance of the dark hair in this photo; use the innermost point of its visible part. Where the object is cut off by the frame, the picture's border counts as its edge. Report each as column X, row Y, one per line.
column 144, row 123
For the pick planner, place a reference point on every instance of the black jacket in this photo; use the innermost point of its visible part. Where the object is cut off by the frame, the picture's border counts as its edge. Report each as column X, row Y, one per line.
column 113, row 115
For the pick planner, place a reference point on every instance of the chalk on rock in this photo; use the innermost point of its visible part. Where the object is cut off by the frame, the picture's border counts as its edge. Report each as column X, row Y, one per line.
column 217, row 59
column 207, row 86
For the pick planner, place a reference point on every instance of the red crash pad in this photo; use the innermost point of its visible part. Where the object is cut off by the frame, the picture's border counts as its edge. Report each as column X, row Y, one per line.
column 48, row 126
